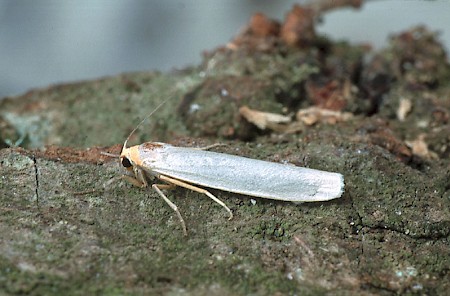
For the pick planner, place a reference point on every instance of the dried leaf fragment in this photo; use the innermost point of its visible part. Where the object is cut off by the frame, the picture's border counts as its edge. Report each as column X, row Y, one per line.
column 312, row 115
column 420, row 148
column 264, row 120
column 404, row 108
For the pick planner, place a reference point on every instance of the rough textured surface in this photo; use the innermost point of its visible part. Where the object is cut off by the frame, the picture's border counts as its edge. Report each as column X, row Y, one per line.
column 388, row 234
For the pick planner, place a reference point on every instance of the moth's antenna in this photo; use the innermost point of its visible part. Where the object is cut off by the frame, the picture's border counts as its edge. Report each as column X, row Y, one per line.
column 142, row 121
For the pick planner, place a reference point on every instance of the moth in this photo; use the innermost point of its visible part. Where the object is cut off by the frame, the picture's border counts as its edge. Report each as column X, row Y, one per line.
column 198, row 169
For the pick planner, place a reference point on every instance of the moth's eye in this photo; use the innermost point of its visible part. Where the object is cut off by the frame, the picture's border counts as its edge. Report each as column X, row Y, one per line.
column 126, row 162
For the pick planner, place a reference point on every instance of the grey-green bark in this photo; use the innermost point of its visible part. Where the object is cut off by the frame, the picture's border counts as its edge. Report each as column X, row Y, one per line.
column 389, row 233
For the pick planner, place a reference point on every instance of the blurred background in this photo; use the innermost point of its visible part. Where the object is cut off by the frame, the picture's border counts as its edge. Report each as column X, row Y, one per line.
column 52, row 41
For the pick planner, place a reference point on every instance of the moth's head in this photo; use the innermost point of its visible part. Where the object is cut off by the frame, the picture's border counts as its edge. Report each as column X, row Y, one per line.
column 129, row 157
column 124, row 157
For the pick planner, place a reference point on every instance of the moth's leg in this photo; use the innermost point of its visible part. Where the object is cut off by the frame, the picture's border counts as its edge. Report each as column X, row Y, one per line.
column 166, row 186
column 134, row 181
column 197, row 189
column 211, row 146
column 140, row 177
column 158, row 188
column 137, row 180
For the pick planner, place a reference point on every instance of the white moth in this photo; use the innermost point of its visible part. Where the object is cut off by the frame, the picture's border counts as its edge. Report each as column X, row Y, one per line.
column 193, row 167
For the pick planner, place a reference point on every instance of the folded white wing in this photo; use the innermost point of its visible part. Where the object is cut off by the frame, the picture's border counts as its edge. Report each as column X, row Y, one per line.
column 242, row 175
